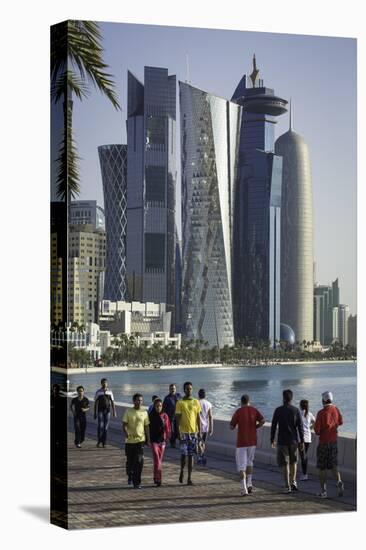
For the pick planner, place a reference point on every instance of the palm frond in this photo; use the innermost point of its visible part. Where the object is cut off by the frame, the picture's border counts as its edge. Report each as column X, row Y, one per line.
column 85, row 53
column 76, row 61
column 68, row 181
column 71, row 82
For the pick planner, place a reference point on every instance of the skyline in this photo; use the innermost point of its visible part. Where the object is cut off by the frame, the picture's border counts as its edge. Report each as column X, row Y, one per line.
column 330, row 132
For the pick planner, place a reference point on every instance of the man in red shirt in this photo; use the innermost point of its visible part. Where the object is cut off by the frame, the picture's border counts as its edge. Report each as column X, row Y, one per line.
column 326, row 424
column 248, row 420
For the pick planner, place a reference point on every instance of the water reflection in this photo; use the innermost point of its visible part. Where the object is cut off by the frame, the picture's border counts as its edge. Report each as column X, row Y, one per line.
column 237, row 385
column 224, row 387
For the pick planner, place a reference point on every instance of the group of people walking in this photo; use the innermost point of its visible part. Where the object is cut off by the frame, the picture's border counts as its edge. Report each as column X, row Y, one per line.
column 190, row 421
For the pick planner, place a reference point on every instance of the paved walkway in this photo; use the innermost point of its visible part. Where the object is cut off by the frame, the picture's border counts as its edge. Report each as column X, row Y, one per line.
column 100, row 497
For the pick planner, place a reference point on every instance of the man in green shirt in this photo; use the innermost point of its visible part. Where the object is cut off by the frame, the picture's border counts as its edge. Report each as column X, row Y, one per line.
column 135, row 424
column 187, row 412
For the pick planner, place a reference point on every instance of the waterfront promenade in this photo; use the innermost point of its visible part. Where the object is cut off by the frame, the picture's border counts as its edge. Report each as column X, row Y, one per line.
column 100, row 497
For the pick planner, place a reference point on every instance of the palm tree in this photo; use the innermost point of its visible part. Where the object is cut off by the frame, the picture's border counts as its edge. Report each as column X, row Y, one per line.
column 76, row 63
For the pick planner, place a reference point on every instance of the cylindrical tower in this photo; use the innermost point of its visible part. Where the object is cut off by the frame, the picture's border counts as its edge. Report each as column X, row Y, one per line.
column 297, row 284
column 113, row 163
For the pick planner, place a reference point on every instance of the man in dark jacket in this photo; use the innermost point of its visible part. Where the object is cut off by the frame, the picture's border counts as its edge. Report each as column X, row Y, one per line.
column 290, row 435
column 169, row 404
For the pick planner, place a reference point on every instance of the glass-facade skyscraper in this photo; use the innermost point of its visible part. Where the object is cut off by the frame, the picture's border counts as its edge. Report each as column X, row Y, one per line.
column 210, row 129
column 113, row 164
column 151, row 180
column 257, row 214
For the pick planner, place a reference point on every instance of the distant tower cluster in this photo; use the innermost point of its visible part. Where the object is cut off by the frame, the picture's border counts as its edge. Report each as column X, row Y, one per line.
column 326, row 303
column 244, row 269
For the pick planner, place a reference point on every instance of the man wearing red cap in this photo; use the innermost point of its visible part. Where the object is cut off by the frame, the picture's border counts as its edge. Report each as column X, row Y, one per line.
column 326, row 427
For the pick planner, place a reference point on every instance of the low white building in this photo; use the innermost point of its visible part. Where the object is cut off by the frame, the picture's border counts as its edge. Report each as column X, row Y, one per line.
column 162, row 338
column 139, row 318
column 91, row 338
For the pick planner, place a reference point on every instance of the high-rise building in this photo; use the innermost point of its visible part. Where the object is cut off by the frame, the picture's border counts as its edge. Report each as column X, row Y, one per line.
column 86, row 270
column 209, row 137
column 87, row 212
column 352, row 331
column 257, row 215
column 343, row 314
column 335, row 324
column 297, row 258
column 151, row 180
column 178, row 284
column 113, row 164
column 325, row 299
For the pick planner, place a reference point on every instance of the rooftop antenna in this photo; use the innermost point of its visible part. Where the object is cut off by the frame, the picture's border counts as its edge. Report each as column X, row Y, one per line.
column 290, row 115
column 255, row 72
column 187, row 69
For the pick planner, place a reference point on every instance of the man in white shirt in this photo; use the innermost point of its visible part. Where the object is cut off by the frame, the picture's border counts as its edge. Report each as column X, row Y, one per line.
column 206, row 420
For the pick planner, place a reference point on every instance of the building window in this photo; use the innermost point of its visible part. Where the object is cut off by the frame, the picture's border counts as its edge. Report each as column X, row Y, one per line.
column 154, row 251
column 155, row 130
column 155, row 177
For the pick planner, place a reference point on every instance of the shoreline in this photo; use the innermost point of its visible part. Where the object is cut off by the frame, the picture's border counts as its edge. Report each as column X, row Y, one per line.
column 92, row 370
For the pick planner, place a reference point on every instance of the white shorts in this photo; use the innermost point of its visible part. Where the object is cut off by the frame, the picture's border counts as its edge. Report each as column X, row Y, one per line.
column 244, row 457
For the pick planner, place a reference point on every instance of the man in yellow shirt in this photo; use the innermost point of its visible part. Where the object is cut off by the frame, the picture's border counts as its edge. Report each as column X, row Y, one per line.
column 187, row 412
column 135, row 424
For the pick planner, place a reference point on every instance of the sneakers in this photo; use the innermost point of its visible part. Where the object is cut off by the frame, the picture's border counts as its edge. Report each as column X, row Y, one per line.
column 340, row 487
column 294, row 486
column 322, row 494
column 287, row 490
column 250, row 489
column 189, row 482
column 243, row 488
column 304, row 477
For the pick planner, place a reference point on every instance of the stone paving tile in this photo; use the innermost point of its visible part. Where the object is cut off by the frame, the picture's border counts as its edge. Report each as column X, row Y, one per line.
column 100, row 497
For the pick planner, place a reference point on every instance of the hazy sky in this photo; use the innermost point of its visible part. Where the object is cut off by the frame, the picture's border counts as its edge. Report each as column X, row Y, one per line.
column 318, row 73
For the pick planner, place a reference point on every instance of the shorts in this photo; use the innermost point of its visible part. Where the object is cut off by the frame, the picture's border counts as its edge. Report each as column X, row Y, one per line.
column 326, row 456
column 244, row 457
column 188, row 444
column 286, row 454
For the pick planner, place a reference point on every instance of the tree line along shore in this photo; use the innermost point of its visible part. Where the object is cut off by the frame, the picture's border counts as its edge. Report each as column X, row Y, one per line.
column 126, row 353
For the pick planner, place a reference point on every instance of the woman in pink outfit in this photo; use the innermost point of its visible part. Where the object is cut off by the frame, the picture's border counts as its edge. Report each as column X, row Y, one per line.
column 160, row 432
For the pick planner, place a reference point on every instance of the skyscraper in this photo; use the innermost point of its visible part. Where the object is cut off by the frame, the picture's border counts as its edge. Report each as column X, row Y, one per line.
column 151, row 180
column 343, row 314
column 297, row 258
column 325, row 299
column 257, row 216
column 85, row 271
column 113, row 164
column 209, row 137
column 352, row 331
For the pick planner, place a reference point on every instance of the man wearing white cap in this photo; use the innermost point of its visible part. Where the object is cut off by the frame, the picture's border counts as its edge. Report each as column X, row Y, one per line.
column 326, row 426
